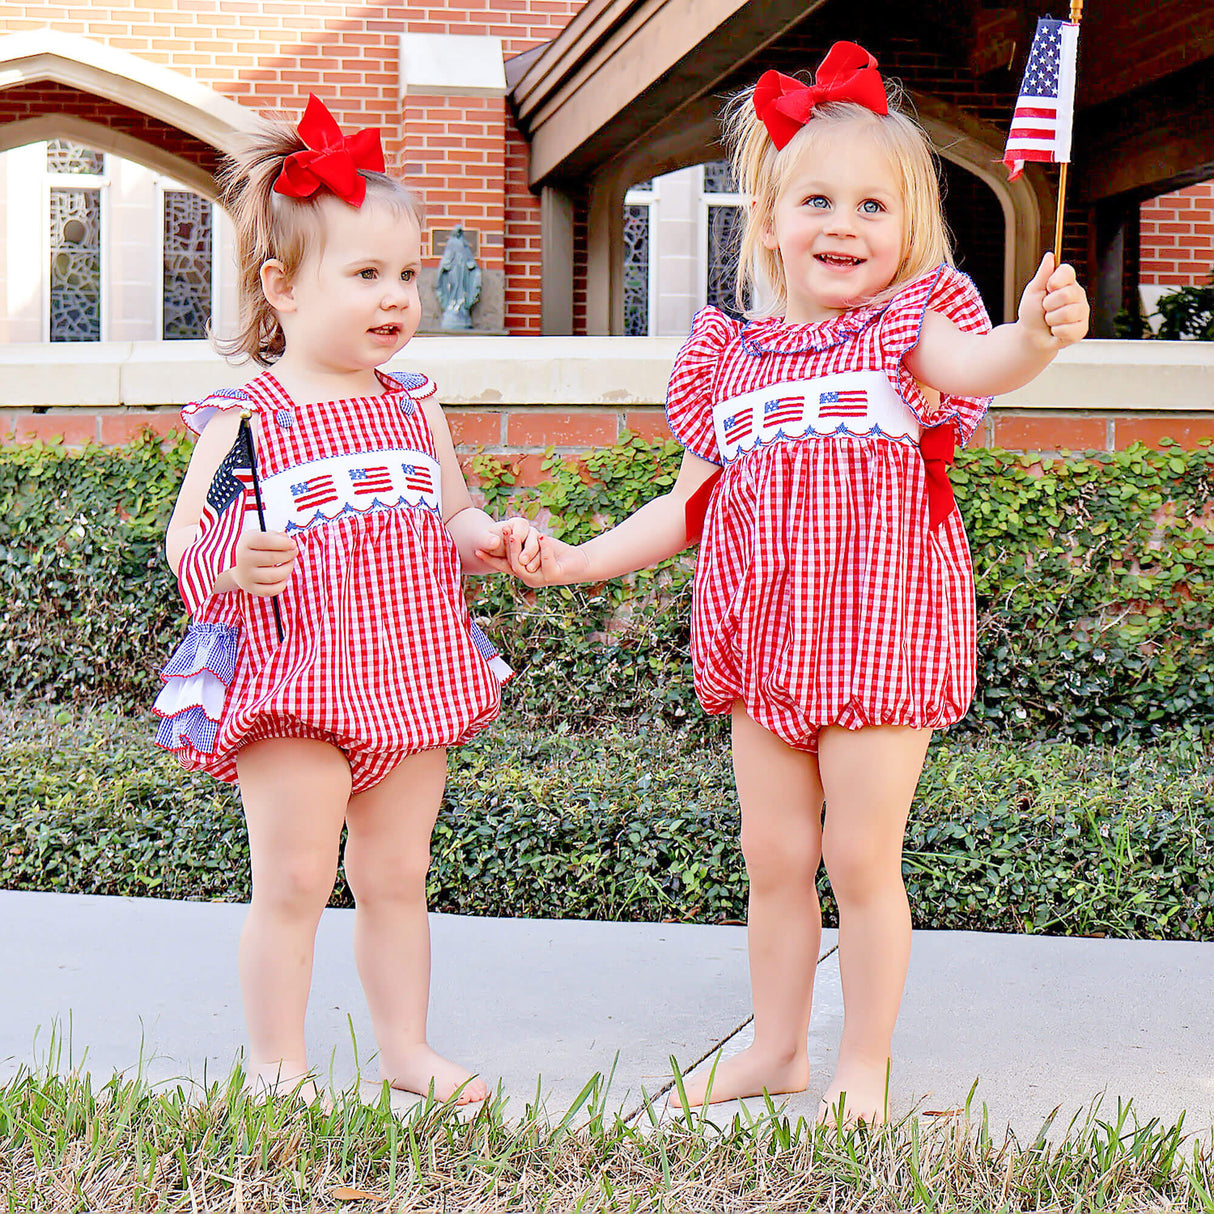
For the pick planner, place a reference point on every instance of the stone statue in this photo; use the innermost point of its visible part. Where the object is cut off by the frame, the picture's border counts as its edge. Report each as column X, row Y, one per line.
column 458, row 282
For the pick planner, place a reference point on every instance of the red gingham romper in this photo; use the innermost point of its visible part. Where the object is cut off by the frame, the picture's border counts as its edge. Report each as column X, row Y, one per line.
column 380, row 656
column 821, row 595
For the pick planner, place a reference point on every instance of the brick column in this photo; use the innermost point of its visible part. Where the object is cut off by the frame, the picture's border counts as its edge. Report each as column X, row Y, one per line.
column 454, row 151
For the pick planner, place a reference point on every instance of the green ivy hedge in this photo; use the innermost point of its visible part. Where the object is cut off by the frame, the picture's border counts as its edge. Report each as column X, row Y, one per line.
column 1095, row 583
column 641, row 824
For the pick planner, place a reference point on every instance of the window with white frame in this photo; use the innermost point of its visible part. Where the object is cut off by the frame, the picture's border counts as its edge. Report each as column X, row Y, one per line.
column 188, row 264
column 723, row 213
column 640, row 259
column 76, row 182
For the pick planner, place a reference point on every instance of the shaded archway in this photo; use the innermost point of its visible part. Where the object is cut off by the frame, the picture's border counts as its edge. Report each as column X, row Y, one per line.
column 1026, row 206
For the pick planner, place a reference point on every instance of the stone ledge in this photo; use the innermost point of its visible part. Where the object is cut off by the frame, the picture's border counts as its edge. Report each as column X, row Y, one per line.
column 1101, row 376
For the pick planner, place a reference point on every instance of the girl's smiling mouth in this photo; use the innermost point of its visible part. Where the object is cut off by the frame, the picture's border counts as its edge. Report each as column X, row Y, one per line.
column 839, row 260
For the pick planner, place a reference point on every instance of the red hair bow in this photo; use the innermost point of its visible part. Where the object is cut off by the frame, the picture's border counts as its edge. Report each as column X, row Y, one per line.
column 848, row 73
column 332, row 160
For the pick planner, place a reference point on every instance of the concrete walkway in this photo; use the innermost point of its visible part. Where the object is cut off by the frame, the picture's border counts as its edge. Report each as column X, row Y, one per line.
column 1038, row 1022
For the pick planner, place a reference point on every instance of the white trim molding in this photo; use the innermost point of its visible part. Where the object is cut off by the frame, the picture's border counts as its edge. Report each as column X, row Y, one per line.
column 1104, row 376
column 104, row 71
column 462, row 65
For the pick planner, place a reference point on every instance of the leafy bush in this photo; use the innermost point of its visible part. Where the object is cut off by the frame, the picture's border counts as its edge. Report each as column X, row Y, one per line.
column 641, row 824
column 1095, row 583
column 1187, row 313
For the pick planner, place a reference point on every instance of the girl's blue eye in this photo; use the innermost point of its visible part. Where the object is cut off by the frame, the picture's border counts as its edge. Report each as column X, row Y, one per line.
column 818, row 202
column 870, row 206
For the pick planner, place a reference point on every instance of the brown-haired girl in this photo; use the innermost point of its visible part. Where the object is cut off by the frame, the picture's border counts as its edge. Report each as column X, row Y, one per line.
column 331, row 658
column 833, row 616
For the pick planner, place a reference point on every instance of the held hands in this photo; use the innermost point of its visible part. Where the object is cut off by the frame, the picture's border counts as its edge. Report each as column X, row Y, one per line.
column 556, row 563
column 510, row 545
column 1054, row 308
column 264, row 561
column 515, row 546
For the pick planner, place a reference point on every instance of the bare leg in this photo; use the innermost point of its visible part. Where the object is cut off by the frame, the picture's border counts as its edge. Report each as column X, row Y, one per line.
column 781, row 799
column 387, row 856
column 294, row 792
column 869, row 776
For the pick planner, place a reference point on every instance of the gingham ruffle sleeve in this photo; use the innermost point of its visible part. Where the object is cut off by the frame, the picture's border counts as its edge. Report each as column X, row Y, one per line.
column 689, row 397
column 198, row 414
column 954, row 295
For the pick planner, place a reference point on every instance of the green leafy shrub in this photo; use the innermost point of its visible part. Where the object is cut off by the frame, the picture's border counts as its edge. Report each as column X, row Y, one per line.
column 1187, row 313
column 1095, row 584
column 641, row 824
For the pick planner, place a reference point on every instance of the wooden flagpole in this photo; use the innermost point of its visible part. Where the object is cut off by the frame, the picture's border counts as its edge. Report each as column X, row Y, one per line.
column 1076, row 15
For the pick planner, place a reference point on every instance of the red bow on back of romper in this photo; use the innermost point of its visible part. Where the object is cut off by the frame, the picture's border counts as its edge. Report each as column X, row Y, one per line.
column 331, row 159
column 938, row 446
column 848, row 73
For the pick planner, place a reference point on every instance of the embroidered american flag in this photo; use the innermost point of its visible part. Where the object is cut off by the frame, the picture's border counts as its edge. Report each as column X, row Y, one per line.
column 418, row 479
column 849, row 402
column 782, row 410
column 738, row 427
column 371, row 480
column 228, row 500
column 314, row 492
column 1041, row 125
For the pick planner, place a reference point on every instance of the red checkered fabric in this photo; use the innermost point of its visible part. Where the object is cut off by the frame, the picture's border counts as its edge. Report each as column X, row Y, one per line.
column 822, row 597
column 378, row 658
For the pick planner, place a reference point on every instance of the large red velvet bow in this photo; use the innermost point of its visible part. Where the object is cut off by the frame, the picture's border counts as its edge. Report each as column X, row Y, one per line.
column 938, row 446
column 848, row 73
column 332, row 160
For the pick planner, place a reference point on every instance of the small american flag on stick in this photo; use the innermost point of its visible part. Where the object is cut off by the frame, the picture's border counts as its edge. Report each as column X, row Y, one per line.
column 1041, row 125
column 221, row 523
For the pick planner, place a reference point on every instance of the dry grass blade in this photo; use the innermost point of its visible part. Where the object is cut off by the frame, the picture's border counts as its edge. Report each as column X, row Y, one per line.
column 128, row 1148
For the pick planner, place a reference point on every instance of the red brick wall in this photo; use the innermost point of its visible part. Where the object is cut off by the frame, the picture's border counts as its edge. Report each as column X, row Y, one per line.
column 523, row 434
column 1126, row 45
column 269, row 56
column 1176, row 242
column 454, row 149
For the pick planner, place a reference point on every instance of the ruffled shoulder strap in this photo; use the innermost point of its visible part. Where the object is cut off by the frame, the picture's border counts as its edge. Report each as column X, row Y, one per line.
column 945, row 290
column 416, row 384
column 198, row 414
column 689, row 396
column 948, row 291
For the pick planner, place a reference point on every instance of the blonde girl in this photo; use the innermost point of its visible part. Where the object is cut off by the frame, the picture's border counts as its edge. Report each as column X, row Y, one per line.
column 331, row 658
column 833, row 617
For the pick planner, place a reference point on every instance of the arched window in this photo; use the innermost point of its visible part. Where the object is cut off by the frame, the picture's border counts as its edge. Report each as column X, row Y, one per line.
column 97, row 247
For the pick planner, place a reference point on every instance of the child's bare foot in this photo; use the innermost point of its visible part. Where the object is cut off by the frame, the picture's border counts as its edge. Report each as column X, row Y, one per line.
column 282, row 1078
column 862, row 1089
column 418, row 1066
column 750, row 1073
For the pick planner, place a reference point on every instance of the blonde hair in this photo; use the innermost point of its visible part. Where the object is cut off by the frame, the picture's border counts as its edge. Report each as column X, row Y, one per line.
column 272, row 226
column 762, row 172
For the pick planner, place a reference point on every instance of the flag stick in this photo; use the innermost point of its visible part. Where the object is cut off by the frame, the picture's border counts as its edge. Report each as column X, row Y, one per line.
column 1061, row 210
column 1076, row 17
column 245, row 414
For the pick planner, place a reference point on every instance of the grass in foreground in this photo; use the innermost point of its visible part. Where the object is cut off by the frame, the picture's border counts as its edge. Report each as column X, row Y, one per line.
column 65, row 1146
